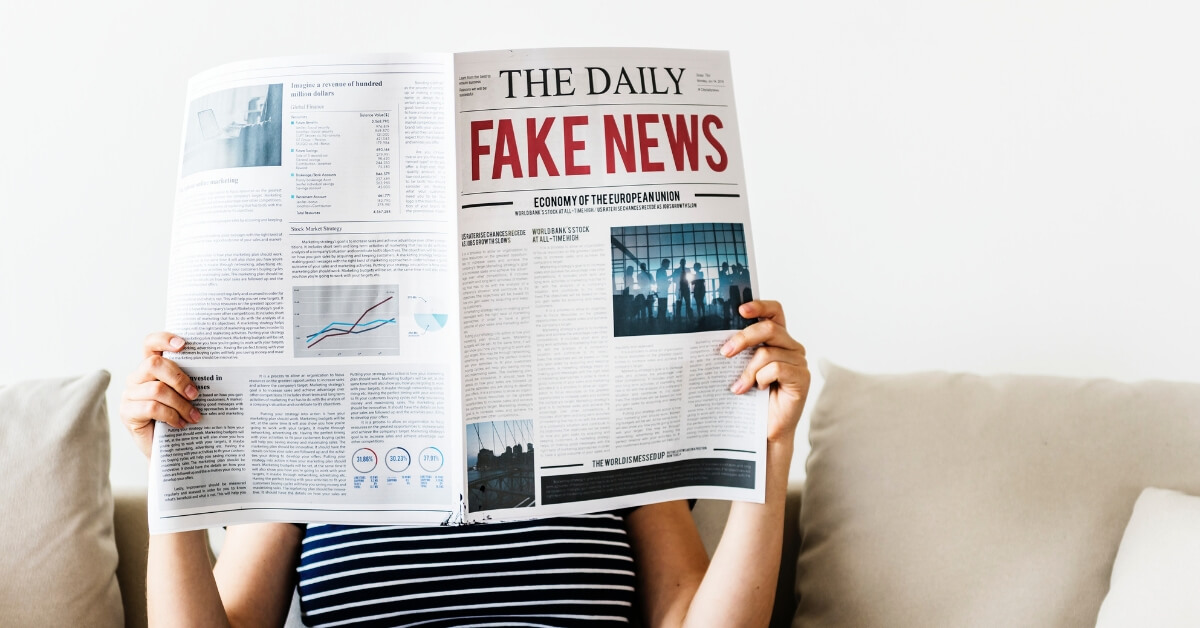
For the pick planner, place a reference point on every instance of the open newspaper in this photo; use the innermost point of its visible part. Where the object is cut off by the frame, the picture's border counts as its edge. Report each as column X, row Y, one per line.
column 431, row 288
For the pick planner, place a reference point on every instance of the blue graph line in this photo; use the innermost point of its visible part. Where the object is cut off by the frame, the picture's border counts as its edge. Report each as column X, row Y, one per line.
column 330, row 326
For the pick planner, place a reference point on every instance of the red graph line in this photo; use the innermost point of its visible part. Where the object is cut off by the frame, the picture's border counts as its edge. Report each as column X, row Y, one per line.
column 351, row 330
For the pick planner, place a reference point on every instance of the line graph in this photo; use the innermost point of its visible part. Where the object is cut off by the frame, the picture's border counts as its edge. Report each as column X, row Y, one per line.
column 332, row 321
column 357, row 327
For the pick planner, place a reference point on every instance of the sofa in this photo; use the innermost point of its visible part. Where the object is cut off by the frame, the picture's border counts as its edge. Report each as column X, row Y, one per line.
column 930, row 499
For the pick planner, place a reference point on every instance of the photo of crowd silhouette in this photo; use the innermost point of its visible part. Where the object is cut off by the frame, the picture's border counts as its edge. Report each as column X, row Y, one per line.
column 678, row 279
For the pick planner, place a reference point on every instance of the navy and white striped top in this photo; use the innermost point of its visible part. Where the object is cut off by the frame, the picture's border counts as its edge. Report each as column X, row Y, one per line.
column 561, row 571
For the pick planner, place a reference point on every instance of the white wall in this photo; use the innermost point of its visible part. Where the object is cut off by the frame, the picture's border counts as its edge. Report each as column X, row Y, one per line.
column 985, row 186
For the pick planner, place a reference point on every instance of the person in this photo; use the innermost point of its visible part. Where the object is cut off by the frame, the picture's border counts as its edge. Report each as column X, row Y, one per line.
column 735, row 294
column 675, row 582
column 698, row 289
column 744, row 281
column 723, row 281
column 683, row 294
column 662, row 285
column 648, row 289
column 623, row 303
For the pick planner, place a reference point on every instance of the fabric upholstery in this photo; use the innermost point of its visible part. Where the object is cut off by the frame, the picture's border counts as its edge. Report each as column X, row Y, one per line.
column 57, row 552
column 938, row 499
column 133, row 539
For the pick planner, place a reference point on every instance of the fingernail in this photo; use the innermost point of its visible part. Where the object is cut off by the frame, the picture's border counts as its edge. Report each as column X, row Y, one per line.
column 739, row 387
column 727, row 349
column 190, row 392
column 177, row 343
column 195, row 414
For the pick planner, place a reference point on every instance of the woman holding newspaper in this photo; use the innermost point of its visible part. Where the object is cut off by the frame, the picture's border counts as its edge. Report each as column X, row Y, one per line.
column 567, row 581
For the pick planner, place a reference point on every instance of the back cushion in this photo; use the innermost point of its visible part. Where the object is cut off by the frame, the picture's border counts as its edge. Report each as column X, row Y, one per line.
column 58, row 557
column 938, row 499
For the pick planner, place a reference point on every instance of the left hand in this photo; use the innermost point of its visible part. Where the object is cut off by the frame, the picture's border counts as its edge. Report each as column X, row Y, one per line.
column 779, row 364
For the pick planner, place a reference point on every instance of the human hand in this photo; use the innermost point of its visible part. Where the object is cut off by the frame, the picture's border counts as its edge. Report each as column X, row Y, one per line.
column 157, row 391
column 779, row 364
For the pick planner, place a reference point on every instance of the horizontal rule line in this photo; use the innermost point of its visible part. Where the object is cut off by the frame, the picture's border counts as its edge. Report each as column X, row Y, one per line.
column 321, row 234
column 487, row 204
column 740, row 451
column 718, row 195
column 250, row 71
column 620, row 104
column 321, row 222
column 597, row 187
column 337, row 65
column 212, row 512
column 562, row 466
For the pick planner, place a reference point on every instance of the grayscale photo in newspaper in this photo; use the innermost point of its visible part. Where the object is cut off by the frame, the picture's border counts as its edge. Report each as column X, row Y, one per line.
column 423, row 289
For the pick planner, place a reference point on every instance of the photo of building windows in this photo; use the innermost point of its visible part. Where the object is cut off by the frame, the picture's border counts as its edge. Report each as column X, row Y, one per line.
column 675, row 279
column 234, row 128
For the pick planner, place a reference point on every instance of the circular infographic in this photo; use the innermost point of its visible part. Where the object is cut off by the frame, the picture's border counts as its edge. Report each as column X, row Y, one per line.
column 426, row 316
column 397, row 459
column 364, row 460
column 431, row 459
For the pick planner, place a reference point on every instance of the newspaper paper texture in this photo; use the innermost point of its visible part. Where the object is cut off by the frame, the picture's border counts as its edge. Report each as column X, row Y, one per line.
column 422, row 289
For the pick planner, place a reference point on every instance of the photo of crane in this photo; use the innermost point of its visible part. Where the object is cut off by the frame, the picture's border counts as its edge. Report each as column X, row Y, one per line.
column 500, row 465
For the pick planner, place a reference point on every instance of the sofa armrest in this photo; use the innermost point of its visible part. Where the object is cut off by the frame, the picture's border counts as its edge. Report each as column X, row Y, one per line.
column 133, row 538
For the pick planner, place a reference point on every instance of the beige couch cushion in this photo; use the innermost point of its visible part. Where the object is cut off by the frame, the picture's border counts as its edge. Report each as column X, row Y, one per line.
column 937, row 499
column 57, row 552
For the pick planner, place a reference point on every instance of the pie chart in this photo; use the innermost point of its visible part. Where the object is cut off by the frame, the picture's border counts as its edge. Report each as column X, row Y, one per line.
column 430, row 321
column 426, row 315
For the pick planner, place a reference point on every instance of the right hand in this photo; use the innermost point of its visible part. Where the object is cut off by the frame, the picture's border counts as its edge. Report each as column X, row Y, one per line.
column 157, row 391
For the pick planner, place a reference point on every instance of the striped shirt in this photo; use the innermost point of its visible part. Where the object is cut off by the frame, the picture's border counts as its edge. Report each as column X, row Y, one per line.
column 561, row 571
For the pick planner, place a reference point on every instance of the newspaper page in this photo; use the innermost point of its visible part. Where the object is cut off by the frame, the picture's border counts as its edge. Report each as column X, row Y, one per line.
column 604, row 248
column 313, row 274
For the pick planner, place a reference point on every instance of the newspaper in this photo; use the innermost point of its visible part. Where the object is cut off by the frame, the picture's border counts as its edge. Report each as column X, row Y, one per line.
column 440, row 289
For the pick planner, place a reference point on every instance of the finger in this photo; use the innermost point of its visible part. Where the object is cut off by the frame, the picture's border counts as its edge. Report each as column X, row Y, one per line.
column 786, row 375
column 764, row 356
column 158, row 368
column 160, row 341
column 765, row 362
column 769, row 310
column 141, row 412
column 766, row 332
column 164, row 394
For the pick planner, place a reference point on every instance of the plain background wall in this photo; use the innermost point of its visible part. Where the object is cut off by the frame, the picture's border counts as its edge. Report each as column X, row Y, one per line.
column 984, row 186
